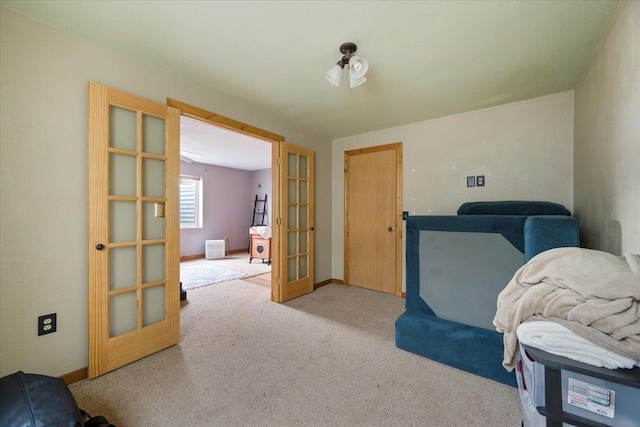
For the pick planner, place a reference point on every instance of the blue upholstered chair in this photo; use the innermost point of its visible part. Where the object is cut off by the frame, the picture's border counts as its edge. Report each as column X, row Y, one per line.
column 456, row 267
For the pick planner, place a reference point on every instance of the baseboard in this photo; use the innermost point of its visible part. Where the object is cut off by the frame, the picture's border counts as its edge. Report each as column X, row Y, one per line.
column 236, row 251
column 327, row 282
column 341, row 282
column 75, row 376
column 321, row 284
column 226, row 253
column 191, row 257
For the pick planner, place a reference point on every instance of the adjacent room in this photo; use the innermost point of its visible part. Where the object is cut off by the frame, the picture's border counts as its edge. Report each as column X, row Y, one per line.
column 225, row 197
column 320, row 213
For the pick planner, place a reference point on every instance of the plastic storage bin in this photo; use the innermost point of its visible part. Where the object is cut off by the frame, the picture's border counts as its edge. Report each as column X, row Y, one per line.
column 556, row 391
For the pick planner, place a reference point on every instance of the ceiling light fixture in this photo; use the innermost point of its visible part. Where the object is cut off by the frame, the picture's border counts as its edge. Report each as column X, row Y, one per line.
column 358, row 67
column 189, row 156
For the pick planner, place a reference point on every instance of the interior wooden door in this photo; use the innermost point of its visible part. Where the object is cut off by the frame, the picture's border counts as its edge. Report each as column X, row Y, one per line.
column 373, row 218
column 134, row 301
column 294, row 265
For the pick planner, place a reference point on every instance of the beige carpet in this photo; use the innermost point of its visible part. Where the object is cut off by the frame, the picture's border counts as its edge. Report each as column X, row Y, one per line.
column 325, row 359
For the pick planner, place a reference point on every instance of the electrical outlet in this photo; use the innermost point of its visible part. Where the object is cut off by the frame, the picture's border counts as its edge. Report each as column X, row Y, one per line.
column 480, row 180
column 47, row 324
column 471, row 181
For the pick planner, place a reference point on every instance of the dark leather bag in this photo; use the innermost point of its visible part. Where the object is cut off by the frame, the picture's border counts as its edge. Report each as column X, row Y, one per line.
column 30, row 400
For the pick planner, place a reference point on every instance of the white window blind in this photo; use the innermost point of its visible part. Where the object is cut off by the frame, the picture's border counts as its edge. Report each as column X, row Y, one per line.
column 190, row 201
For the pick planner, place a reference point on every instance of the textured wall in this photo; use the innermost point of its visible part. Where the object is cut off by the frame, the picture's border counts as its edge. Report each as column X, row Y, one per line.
column 43, row 175
column 607, row 138
column 524, row 149
column 226, row 207
column 262, row 178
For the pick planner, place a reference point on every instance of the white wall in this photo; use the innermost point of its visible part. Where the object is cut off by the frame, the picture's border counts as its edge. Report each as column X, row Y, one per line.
column 227, row 204
column 43, row 176
column 607, row 141
column 524, row 149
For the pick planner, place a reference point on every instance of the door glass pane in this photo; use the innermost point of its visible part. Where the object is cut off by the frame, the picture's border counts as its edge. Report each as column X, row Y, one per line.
column 152, row 263
column 122, row 221
column 303, row 266
column 152, row 135
column 123, row 313
column 303, row 242
column 291, row 242
column 122, row 128
column 152, row 178
column 152, row 226
column 153, row 305
column 303, row 216
column 122, row 267
column 302, row 173
column 291, row 269
column 122, row 175
column 303, row 191
column 292, row 196
column 293, row 223
column 292, row 164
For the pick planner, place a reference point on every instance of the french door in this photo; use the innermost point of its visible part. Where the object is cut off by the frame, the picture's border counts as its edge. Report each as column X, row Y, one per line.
column 294, row 265
column 134, row 305
column 292, row 243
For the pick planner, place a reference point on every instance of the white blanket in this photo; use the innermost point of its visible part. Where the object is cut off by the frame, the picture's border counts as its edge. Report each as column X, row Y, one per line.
column 594, row 294
column 263, row 230
column 556, row 339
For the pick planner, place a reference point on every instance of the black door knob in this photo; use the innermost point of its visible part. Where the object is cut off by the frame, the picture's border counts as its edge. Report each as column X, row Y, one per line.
column 99, row 246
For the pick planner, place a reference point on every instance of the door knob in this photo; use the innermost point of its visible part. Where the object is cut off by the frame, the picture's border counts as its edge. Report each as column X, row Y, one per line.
column 99, row 246
column 390, row 228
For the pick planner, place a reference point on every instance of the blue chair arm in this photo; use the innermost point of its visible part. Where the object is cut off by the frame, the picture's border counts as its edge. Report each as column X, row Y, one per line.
column 545, row 232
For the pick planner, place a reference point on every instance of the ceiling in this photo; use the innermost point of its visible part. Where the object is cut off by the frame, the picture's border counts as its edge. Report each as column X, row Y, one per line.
column 213, row 145
column 427, row 59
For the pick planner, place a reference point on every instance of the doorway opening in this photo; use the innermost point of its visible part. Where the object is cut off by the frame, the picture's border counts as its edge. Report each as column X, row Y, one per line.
column 292, row 183
column 222, row 175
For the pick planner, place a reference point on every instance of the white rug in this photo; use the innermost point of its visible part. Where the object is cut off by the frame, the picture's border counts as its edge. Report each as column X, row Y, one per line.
column 196, row 274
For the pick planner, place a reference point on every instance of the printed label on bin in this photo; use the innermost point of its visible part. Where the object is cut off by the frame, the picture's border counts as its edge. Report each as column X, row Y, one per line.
column 591, row 397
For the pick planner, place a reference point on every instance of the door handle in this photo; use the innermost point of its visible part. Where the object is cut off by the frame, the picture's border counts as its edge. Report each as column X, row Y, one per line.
column 390, row 228
column 99, row 246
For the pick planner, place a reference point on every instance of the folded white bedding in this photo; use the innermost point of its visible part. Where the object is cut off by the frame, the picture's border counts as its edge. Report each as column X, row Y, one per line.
column 263, row 230
column 556, row 339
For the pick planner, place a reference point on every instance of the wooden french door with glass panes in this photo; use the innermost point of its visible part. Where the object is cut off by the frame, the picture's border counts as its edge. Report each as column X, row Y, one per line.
column 295, row 222
column 134, row 303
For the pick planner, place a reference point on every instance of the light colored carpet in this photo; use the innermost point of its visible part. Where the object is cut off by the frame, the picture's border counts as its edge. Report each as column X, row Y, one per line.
column 203, row 272
column 324, row 359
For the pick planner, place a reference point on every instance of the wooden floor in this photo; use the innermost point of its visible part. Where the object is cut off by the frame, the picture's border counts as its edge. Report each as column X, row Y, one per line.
column 263, row 280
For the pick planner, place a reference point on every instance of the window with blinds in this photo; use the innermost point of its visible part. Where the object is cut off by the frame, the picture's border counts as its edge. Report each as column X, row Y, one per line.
column 190, row 201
